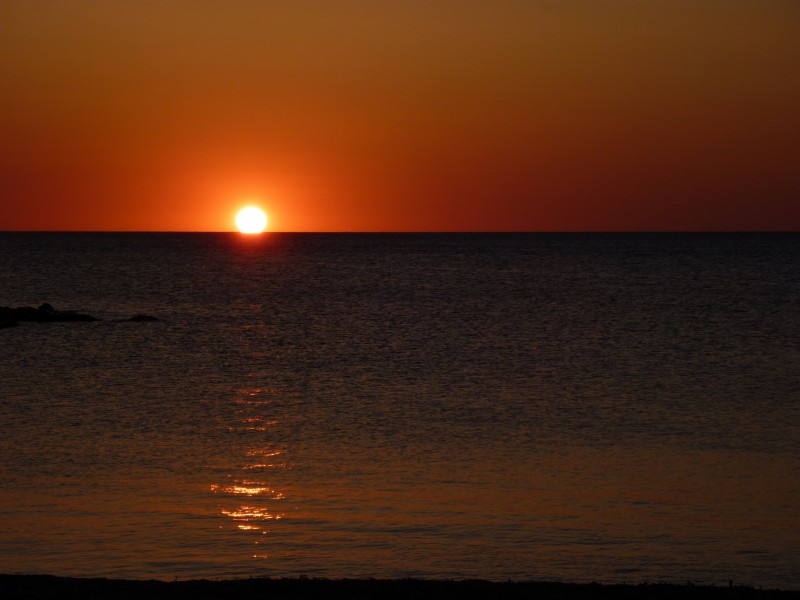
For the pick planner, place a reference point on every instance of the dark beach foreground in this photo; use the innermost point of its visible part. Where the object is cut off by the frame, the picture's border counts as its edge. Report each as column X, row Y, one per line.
column 46, row 586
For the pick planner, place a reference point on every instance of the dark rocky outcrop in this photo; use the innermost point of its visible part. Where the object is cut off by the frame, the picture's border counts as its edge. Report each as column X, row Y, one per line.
column 45, row 313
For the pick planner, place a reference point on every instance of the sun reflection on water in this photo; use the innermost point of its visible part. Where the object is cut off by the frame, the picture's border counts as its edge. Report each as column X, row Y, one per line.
column 247, row 488
column 263, row 501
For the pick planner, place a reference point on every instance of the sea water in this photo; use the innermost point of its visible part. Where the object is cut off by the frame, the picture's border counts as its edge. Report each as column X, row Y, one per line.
column 574, row 407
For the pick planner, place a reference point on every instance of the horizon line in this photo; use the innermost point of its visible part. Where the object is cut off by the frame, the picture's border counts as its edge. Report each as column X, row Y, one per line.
column 411, row 232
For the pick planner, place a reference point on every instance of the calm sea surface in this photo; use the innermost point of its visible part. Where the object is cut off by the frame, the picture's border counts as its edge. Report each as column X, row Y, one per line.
column 562, row 407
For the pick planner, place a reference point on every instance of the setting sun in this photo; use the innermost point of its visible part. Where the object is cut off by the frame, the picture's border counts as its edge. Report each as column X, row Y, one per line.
column 251, row 220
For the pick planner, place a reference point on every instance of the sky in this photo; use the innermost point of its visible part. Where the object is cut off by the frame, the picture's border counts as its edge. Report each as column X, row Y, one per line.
column 417, row 115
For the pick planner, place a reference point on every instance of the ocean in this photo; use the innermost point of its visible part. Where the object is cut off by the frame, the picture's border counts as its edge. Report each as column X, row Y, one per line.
column 568, row 407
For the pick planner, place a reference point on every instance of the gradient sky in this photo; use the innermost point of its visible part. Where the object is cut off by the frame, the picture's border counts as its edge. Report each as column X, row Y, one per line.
column 418, row 115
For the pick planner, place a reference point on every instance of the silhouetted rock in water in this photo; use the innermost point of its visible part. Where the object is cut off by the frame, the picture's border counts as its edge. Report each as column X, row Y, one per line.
column 9, row 317
column 47, row 313
column 44, row 314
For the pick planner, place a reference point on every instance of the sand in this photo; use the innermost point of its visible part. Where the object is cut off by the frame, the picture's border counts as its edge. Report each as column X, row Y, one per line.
column 45, row 586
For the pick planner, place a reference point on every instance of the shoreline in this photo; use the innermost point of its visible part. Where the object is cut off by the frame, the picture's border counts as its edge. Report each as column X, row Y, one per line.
column 32, row 587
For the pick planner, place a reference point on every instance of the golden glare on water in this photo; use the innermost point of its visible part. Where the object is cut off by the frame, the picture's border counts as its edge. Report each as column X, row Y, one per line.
column 247, row 500
column 251, row 219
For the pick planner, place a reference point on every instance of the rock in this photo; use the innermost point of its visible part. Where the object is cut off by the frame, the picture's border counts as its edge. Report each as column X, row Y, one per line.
column 44, row 314
column 23, row 313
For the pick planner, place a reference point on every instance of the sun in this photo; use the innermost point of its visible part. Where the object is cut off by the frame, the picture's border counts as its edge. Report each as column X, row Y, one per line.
column 251, row 220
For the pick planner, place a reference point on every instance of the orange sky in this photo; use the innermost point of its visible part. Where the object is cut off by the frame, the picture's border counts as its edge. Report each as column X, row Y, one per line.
column 422, row 115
